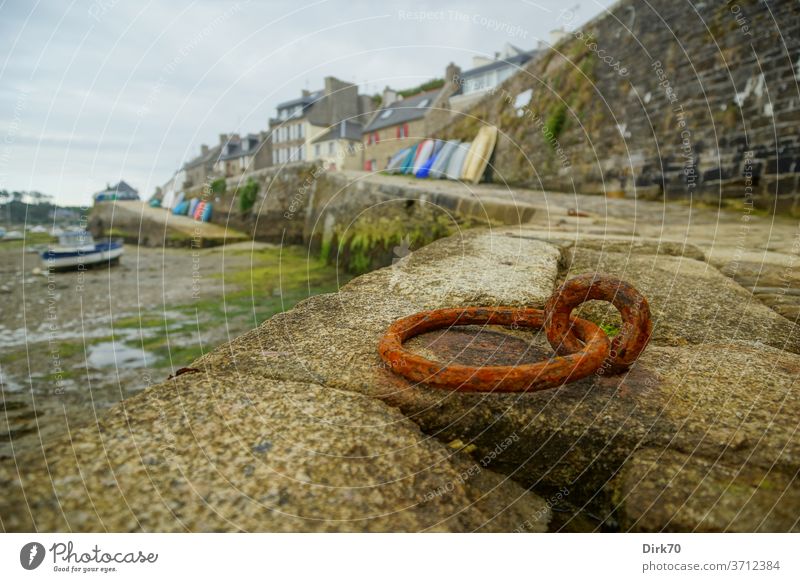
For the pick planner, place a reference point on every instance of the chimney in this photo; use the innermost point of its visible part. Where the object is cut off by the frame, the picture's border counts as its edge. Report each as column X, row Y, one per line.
column 223, row 137
column 204, row 149
column 556, row 35
column 479, row 61
column 389, row 96
column 452, row 75
column 305, row 93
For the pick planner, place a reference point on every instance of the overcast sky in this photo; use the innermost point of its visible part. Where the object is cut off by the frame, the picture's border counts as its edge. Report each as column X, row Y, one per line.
column 95, row 91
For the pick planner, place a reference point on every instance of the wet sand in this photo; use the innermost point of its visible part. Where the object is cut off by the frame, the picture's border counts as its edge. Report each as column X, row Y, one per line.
column 74, row 343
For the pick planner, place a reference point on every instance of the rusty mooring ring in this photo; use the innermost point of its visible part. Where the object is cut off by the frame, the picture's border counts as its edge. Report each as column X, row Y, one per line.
column 524, row 378
column 632, row 305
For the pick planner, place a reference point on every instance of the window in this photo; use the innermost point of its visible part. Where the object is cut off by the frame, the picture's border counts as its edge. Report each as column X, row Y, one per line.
column 331, row 147
column 301, row 130
column 275, row 158
column 316, row 151
column 404, row 130
column 377, row 138
column 424, row 103
column 387, row 113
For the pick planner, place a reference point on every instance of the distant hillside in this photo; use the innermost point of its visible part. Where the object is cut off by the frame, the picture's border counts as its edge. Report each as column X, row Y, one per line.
column 33, row 208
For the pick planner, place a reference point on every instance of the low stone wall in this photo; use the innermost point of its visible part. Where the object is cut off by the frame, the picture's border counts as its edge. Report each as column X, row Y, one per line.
column 136, row 223
column 304, row 204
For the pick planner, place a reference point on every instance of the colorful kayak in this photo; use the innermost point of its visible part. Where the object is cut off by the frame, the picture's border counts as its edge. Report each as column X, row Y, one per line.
column 456, row 163
column 206, row 215
column 193, row 206
column 181, row 208
column 439, row 166
column 424, row 151
column 479, row 154
column 424, row 171
column 408, row 162
column 177, row 199
column 396, row 161
column 198, row 210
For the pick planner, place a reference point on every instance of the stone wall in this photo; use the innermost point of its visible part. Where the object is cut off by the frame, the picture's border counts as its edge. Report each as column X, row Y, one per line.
column 305, row 204
column 657, row 99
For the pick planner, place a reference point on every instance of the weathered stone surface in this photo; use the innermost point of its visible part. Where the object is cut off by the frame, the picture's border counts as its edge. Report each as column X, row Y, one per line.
column 217, row 452
column 282, row 429
column 695, row 390
column 630, row 245
column 478, row 268
column 691, row 302
column 672, row 491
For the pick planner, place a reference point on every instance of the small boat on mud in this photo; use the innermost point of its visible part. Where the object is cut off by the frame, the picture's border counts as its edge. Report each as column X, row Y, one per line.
column 77, row 250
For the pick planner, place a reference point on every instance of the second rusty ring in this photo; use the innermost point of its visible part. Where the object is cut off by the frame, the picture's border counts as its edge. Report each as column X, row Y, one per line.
column 632, row 305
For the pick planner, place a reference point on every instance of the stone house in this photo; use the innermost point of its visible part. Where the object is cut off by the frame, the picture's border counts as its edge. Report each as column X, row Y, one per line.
column 300, row 121
column 485, row 75
column 119, row 191
column 340, row 147
column 241, row 154
column 402, row 122
column 200, row 169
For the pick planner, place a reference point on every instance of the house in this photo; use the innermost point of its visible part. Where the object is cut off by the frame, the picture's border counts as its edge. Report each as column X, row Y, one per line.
column 398, row 123
column 340, row 144
column 300, row 121
column 241, row 154
column 120, row 191
column 200, row 169
column 486, row 74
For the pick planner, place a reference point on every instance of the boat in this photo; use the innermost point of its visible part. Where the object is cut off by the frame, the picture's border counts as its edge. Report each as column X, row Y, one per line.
column 439, row 166
column 479, row 154
column 408, row 162
column 456, row 162
column 396, row 161
column 79, row 250
column 423, row 153
column 425, row 170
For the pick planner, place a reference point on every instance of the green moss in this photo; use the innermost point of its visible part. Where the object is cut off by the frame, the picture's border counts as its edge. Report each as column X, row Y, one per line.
column 371, row 243
column 555, row 123
column 248, row 194
column 218, row 186
column 610, row 329
column 30, row 238
column 426, row 86
column 136, row 322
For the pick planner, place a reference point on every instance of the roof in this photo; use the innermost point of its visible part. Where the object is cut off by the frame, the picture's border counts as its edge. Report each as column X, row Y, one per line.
column 402, row 111
column 236, row 150
column 302, row 100
column 210, row 156
column 121, row 187
column 349, row 130
column 516, row 60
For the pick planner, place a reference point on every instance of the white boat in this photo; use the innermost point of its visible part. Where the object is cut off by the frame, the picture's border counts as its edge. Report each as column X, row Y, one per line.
column 79, row 249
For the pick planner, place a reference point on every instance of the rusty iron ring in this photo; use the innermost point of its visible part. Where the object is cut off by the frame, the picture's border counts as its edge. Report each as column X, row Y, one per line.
column 632, row 306
column 524, row 378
